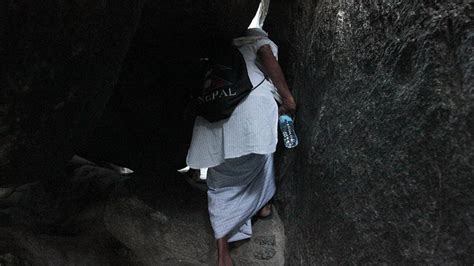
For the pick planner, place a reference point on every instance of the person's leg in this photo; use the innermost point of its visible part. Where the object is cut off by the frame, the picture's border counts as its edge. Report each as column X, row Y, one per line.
column 266, row 211
column 237, row 190
column 223, row 255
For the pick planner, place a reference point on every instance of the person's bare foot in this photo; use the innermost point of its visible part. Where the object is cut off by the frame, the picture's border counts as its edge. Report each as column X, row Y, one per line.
column 265, row 211
column 223, row 256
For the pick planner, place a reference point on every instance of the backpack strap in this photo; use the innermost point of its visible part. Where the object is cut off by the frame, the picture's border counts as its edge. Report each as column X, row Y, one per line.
column 259, row 83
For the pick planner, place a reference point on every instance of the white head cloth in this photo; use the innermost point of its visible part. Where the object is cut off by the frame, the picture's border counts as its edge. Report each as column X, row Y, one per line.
column 255, row 31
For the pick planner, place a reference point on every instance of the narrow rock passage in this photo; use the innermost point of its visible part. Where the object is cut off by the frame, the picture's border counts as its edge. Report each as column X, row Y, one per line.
column 382, row 174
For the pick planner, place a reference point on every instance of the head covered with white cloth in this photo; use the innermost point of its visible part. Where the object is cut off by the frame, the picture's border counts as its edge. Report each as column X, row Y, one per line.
column 254, row 31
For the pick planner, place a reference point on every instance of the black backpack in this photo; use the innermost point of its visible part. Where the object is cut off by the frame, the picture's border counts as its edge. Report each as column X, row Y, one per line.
column 226, row 83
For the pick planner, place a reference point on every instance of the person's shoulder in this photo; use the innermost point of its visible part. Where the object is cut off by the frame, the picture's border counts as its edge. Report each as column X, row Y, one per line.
column 265, row 41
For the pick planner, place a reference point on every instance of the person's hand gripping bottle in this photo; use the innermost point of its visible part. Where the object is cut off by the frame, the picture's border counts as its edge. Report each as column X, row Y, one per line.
column 288, row 130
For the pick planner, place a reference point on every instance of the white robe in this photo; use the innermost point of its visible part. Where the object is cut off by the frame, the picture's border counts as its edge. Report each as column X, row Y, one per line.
column 252, row 127
column 238, row 189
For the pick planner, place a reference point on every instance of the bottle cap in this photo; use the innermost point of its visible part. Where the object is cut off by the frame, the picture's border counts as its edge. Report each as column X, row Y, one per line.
column 285, row 118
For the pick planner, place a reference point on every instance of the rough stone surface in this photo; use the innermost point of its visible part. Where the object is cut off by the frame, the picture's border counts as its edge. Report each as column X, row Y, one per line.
column 383, row 173
column 180, row 232
column 129, row 222
column 25, row 247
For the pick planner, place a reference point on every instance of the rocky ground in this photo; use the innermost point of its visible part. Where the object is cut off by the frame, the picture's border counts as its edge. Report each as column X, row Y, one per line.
column 113, row 219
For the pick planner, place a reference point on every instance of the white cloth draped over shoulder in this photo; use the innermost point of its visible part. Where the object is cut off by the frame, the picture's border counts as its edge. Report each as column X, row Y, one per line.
column 252, row 127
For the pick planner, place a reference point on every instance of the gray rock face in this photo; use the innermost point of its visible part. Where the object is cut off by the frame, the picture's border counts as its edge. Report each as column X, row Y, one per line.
column 171, row 238
column 384, row 170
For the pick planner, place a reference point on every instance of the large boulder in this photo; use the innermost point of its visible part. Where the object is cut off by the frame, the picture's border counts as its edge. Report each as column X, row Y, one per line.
column 383, row 173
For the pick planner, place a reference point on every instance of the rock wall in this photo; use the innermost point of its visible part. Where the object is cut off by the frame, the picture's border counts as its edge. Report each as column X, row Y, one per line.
column 383, row 173
column 60, row 62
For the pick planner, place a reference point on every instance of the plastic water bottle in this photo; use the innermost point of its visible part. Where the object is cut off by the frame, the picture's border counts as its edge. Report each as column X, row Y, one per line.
column 288, row 130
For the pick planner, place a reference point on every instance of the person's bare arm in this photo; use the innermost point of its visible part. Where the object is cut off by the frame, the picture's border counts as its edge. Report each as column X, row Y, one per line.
column 273, row 70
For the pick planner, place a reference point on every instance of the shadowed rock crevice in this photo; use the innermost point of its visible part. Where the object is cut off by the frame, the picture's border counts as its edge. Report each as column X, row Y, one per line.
column 383, row 172
column 60, row 65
